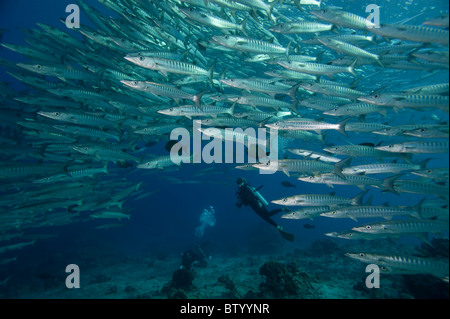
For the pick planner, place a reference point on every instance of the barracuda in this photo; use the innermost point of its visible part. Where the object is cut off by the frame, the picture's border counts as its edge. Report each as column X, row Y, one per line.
column 413, row 33
column 165, row 66
column 344, row 19
column 318, row 127
column 405, row 264
column 329, row 200
column 357, row 212
column 416, row 147
column 250, row 45
column 307, row 212
column 317, row 68
column 306, row 166
column 301, row 27
column 164, row 90
column 404, row 227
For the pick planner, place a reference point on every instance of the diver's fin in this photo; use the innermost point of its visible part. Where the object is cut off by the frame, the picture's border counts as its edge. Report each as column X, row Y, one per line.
column 285, row 235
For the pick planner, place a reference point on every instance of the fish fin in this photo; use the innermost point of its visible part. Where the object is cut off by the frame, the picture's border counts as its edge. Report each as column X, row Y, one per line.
column 231, row 109
column 388, row 184
column 211, row 71
column 197, row 99
column 357, row 200
column 351, row 67
column 338, row 167
column 341, row 126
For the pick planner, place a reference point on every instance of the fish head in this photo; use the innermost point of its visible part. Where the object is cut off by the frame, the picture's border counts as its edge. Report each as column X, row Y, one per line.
column 37, row 68
column 170, row 111
column 391, row 148
column 132, row 84
column 52, row 115
column 281, row 28
column 323, row 14
column 139, row 59
column 267, row 166
column 369, row 228
column 148, row 165
column 291, row 215
column 332, row 214
column 388, row 131
column 231, row 82
column 282, row 201
column 310, row 179
column 335, row 112
column 359, row 256
column 226, row 40
column 376, row 99
column 333, row 149
column 84, row 149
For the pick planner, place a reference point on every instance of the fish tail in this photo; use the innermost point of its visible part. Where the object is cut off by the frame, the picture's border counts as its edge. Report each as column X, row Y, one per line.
column 243, row 27
column 357, row 200
column 351, row 67
column 341, row 127
column 211, row 71
column 388, row 184
column 339, row 165
column 197, row 99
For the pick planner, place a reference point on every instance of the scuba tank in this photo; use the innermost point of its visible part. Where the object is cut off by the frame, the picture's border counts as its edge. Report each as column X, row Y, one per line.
column 257, row 194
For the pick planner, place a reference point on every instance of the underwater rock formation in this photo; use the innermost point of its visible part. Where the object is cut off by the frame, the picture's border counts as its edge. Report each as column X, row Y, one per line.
column 439, row 248
column 180, row 284
column 284, row 281
column 229, row 284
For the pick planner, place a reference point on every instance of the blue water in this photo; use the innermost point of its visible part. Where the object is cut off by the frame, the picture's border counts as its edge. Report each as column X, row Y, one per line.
column 165, row 221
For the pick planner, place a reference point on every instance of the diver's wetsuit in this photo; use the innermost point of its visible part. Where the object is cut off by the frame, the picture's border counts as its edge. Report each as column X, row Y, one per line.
column 249, row 196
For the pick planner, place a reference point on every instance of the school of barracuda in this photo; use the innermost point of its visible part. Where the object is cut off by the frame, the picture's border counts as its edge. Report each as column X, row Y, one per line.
column 98, row 100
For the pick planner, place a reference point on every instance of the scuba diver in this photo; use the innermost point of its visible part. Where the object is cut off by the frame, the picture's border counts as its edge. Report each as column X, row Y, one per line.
column 193, row 257
column 249, row 196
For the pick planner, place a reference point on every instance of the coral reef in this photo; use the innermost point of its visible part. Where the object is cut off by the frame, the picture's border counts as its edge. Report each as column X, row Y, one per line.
column 180, row 284
column 439, row 248
column 284, row 281
column 230, row 286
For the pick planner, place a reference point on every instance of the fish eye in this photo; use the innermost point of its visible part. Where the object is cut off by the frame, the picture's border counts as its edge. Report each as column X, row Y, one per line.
column 430, row 171
column 361, row 255
column 284, row 199
column 368, row 227
column 391, row 146
column 191, row 9
column 38, row 66
column 57, row 113
column 311, row 177
column 86, row 148
column 135, row 83
column 376, row 96
column 422, row 130
column 333, row 212
column 171, row 109
column 141, row 58
column 281, row 25
column 226, row 37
